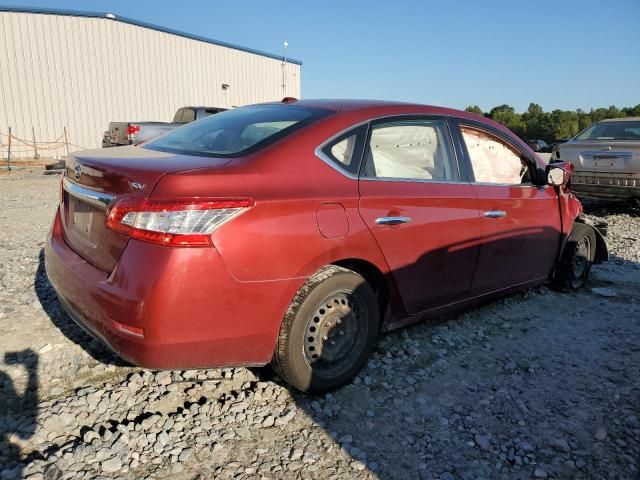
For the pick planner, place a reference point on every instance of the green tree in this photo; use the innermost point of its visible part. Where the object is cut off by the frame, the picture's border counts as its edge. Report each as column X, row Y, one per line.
column 631, row 111
column 507, row 116
column 474, row 109
column 564, row 124
column 584, row 119
column 536, row 123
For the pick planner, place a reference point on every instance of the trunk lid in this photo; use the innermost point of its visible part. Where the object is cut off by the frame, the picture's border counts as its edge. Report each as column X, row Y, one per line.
column 95, row 179
column 615, row 156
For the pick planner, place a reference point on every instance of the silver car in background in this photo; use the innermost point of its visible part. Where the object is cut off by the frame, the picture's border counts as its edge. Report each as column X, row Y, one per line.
column 606, row 157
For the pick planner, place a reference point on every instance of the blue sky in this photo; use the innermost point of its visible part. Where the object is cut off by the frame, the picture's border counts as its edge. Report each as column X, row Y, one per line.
column 561, row 54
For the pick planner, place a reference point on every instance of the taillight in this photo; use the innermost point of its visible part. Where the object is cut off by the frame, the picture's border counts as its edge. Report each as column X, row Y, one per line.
column 184, row 223
column 132, row 130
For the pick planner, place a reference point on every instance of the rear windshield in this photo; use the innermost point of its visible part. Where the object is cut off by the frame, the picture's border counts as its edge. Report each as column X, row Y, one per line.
column 237, row 132
column 611, row 131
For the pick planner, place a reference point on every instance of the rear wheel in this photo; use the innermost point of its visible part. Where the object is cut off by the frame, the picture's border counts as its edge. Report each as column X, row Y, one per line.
column 328, row 331
column 577, row 258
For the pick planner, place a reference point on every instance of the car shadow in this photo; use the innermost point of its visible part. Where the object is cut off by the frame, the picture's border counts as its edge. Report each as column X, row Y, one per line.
column 53, row 308
column 18, row 411
column 610, row 207
column 413, row 411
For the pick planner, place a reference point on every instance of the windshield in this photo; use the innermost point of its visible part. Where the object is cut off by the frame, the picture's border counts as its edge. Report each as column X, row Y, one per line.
column 237, row 132
column 629, row 130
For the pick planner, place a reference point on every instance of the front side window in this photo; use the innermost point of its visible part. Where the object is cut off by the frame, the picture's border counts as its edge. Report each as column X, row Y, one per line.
column 237, row 132
column 493, row 160
column 415, row 149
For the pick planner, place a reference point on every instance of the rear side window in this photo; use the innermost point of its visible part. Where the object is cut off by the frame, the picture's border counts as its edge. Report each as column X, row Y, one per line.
column 237, row 132
column 346, row 150
column 493, row 160
column 177, row 118
column 415, row 150
column 188, row 115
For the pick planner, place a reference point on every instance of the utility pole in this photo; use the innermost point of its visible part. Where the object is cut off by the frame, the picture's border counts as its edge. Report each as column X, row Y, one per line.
column 284, row 67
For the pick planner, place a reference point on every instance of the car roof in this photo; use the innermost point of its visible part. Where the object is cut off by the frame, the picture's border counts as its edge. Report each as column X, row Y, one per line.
column 623, row 119
column 352, row 105
column 205, row 107
column 365, row 109
column 347, row 105
column 385, row 107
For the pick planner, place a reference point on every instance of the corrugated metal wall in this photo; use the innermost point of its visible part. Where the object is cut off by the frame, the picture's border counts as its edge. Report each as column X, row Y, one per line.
column 81, row 73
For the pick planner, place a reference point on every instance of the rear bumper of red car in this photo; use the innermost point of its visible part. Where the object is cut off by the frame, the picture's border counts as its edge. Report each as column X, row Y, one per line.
column 164, row 307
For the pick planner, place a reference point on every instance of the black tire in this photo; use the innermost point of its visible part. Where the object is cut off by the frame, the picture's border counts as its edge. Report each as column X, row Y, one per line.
column 328, row 332
column 577, row 258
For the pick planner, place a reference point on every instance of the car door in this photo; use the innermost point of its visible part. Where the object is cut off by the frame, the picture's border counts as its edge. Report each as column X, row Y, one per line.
column 424, row 218
column 520, row 214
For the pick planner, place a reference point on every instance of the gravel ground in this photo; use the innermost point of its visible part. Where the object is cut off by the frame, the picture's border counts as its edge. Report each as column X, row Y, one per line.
column 539, row 385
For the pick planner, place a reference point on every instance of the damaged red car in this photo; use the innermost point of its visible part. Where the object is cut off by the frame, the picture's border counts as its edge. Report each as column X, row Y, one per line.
column 293, row 233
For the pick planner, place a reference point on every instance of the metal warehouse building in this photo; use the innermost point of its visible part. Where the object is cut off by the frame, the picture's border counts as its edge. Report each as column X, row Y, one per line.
column 80, row 70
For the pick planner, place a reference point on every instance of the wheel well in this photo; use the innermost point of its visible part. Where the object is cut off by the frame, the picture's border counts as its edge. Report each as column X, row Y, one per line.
column 602, row 251
column 374, row 277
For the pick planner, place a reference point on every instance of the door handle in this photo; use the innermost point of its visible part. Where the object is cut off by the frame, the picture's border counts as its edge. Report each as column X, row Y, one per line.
column 495, row 214
column 392, row 220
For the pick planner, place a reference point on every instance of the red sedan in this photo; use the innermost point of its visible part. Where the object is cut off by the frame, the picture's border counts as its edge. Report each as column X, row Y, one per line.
column 295, row 232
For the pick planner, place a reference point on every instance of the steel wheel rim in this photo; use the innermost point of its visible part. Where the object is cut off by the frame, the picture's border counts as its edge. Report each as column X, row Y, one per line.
column 581, row 257
column 336, row 333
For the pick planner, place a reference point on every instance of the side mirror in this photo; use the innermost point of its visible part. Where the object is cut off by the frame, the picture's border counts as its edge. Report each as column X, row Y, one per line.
column 555, row 177
column 559, row 174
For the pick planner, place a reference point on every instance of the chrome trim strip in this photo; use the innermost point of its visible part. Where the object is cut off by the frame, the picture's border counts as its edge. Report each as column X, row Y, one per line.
column 98, row 199
column 413, row 180
column 322, row 156
column 515, row 185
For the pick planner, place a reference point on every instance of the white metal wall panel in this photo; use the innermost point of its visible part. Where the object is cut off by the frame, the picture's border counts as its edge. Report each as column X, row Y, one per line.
column 81, row 73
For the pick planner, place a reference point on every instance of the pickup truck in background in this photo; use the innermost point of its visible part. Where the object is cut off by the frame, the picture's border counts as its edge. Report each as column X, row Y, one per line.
column 133, row 133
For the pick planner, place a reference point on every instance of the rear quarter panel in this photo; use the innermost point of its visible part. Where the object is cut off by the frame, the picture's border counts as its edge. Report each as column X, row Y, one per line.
column 279, row 237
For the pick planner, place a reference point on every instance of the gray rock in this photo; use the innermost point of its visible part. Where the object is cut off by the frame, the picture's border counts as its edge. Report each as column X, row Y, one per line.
column 346, row 439
column 286, row 418
column 185, row 454
column 539, row 473
column 600, row 435
column 413, row 351
column 163, row 438
column 112, row 465
column 269, row 421
column 163, row 378
column 482, row 441
column 560, row 445
column 90, row 436
column 604, row 292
